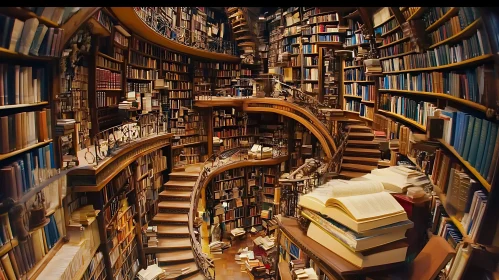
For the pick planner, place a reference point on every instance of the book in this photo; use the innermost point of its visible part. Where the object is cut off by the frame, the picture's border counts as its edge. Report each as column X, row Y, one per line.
column 358, row 205
column 389, row 253
column 358, row 241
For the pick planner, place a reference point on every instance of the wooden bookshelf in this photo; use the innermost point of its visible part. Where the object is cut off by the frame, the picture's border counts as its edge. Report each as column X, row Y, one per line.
column 404, row 119
column 17, row 152
column 464, row 63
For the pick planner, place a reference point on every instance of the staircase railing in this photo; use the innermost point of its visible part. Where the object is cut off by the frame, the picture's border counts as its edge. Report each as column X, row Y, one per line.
column 204, row 263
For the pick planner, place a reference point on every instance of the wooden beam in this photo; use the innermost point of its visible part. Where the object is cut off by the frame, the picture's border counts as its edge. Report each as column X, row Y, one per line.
column 398, row 15
column 74, row 23
column 367, row 18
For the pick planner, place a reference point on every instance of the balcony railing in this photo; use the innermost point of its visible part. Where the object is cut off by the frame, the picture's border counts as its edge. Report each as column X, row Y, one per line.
column 161, row 24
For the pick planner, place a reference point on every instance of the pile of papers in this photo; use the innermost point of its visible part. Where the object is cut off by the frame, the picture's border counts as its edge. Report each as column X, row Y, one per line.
column 238, row 231
column 216, row 247
column 266, row 242
column 153, row 272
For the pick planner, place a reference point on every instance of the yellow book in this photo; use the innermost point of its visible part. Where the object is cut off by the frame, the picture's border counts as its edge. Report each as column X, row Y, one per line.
column 7, row 266
column 358, row 205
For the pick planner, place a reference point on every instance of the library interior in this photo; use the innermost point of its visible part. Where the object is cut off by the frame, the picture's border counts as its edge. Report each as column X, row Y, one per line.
column 261, row 143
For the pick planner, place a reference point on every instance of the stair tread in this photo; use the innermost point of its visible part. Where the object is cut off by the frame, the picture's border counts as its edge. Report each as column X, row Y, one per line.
column 356, row 126
column 352, row 158
column 352, row 174
column 174, row 193
column 169, row 242
column 361, row 134
column 185, row 174
column 197, row 276
column 362, row 142
column 357, row 166
column 174, row 269
column 178, row 255
column 170, row 217
column 173, row 183
column 174, row 204
column 173, row 229
column 361, row 150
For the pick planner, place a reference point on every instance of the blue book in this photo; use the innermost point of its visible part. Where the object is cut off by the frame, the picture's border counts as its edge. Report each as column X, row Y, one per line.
column 490, row 150
column 457, row 132
column 48, row 237
column 469, row 134
column 484, row 134
column 475, row 141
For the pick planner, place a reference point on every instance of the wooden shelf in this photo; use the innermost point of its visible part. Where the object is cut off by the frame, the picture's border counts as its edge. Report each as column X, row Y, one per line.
column 15, row 55
column 468, row 31
column 453, row 11
column 11, row 154
column 7, row 247
column 402, row 118
column 396, row 55
column 17, row 106
column 468, row 62
column 468, row 166
column 37, row 269
column 25, row 14
column 383, row 22
column 467, row 103
column 284, row 273
column 109, row 57
column 417, row 14
column 455, row 221
column 393, row 43
column 352, row 96
column 108, row 68
column 390, row 31
column 97, row 28
column 352, row 67
column 353, row 81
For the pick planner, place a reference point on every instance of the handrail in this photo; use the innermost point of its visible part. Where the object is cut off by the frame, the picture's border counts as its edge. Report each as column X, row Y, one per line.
column 204, row 263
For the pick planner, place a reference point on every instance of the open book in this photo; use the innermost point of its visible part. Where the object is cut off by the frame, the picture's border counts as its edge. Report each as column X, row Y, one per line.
column 358, row 205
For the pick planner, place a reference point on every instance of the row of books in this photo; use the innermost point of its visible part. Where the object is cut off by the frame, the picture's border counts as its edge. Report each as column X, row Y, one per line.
column 30, row 170
column 474, row 46
column 412, row 109
column 141, row 73
column 23, row 257
column 396, row 49
column 464, row 84
column 30, row 37
column 385, row 27
column 474, row 138
column 24, row 129
column 352, row 105
column 22, row 85
column 143, row 61
column 311, row 74
column 145, row 47
column 106, row 79
column 366, row 111
column 357, row 39
column 393, row 37
column 434, row 14
column 169, row 66
column 357, row 74
column 6, row 235
column 367, row 92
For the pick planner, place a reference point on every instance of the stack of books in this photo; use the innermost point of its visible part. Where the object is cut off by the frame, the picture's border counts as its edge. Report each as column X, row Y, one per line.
column 304, row 274
column 64, row 127
column 396, row 179
column 266, row 242
column 152, row 236
column 238, row 231
column 217, row 247
column 358, row 221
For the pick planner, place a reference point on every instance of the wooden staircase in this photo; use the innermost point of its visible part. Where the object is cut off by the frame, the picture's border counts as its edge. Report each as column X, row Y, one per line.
column 361, row 154
column 245, row 32
column 174, row 251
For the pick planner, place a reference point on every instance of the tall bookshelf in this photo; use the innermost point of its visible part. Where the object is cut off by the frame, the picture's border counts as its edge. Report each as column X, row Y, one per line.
column 443, row 86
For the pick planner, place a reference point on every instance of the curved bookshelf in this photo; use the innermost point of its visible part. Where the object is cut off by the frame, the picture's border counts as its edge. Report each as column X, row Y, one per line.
column 468, row 166
column 468, row 62
column 465, row 102
column 132, row 21
column 453, row 11
column 394, row 42
column 417, row 14
column 396, row 55
column 404, row 119
column 468, row 31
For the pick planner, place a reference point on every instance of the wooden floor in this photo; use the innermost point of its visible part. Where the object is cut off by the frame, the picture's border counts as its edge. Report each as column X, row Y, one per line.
column 225, row 265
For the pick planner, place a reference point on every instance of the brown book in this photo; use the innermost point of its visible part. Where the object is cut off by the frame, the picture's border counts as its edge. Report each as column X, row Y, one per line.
column 7, row 266
column 4, row 135
column 434, row 256
column 18, row 127
column 18, row 186
column 7, row 176
column 25, row 255
column 13, row 260
column 3, row 275
column 20, row 261
column 493, row 164
column 2, row 93
column 31, row 251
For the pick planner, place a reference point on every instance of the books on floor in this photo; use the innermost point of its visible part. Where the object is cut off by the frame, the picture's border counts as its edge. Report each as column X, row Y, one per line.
column 266, row 242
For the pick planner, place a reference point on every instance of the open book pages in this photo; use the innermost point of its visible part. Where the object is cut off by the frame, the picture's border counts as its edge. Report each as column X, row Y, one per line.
column 390, row 183
column 361, row 200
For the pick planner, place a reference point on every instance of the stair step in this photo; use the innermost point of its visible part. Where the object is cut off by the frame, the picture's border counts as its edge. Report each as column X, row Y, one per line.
column 174, row 204
column 351, row 174
column 361, row 160
column 169, row 230
column 360, row 136
column 241, row 31
column 174, row 270
column 180, row 184
column 198, row 276
column 239, row 25
column 362, row 152
column 174, row 243
column 174, row 195
column 362, row 143
column 247, row 37
column 358, row 128
column 175, row 256
column 238, row 13
column 170, row 217
column 246, row 44
column 357, row 167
